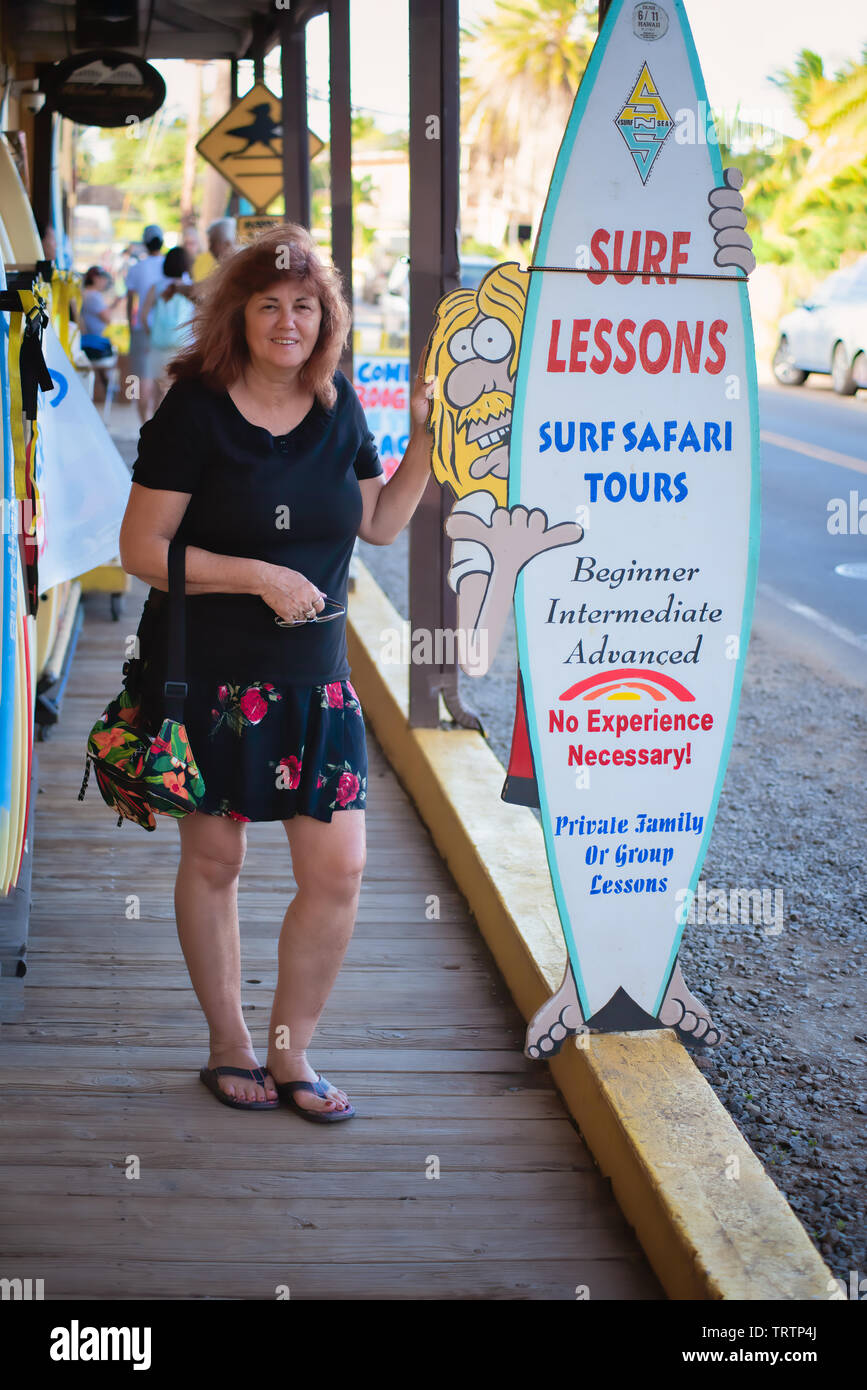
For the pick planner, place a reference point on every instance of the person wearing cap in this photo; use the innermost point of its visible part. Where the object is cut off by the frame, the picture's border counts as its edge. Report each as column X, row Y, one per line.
column 140, row 278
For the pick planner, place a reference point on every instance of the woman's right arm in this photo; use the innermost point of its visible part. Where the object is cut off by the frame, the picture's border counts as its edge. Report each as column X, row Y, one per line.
column 152, row 517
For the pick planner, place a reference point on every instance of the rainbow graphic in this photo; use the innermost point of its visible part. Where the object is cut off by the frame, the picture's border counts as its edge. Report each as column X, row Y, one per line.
column 626, row 683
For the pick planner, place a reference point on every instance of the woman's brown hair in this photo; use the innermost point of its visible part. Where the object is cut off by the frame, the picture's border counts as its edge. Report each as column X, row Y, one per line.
column 218, row 352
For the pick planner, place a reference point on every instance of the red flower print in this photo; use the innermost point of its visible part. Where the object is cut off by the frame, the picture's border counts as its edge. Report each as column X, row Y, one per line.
column 351, row 688
column 235, row 816
column 292, row 775
column 222, row 694
column 267, row 686
column 347, row 788
column 335, row 695
column 253, row 707
column 320, row 781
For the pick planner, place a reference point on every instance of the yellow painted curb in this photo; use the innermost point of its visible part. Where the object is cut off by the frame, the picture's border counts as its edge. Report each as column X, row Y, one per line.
column 710, row 1220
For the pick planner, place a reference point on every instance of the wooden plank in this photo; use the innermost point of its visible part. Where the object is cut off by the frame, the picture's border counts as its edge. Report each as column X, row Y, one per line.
column 345, row 1035
column 141, row 1236
column 34, row 1056
column 533, row 1158
column 80, row 1277
column 241, row 1184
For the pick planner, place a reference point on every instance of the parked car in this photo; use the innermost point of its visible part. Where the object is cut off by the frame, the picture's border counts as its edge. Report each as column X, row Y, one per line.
column 395, row 301
column 828, row 333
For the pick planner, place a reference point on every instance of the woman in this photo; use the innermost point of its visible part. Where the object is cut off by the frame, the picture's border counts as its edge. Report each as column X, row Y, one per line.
column 259, row 457
column 169, row 319
column 95, row 315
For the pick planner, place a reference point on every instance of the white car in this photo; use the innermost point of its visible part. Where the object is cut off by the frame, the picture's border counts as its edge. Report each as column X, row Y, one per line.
column 828, row 333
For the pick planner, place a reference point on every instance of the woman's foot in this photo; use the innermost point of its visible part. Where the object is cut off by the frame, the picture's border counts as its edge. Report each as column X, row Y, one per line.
column 299, row 1069
column 240, row 1087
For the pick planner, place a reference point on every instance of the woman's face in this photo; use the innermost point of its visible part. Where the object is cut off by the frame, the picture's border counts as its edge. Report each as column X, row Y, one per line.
column 282, row 324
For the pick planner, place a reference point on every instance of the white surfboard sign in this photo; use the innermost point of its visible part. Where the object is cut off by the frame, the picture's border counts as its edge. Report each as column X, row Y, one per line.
column 635, row 415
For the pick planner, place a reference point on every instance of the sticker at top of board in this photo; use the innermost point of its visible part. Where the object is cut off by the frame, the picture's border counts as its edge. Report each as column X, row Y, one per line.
column 649, row 22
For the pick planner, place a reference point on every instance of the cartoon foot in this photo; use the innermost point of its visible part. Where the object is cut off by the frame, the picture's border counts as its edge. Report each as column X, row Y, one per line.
column 559, row 1018
column 687, row 1015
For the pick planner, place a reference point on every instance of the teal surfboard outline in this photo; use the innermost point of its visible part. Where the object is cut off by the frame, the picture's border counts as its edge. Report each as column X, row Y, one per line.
column 527, row 334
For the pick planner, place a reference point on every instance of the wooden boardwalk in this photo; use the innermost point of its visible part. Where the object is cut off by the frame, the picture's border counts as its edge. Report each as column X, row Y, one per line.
column 98, row 1071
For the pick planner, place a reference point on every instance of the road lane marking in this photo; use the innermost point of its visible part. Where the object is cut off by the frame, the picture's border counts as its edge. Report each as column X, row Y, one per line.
column 802, row 611
column 815, row 451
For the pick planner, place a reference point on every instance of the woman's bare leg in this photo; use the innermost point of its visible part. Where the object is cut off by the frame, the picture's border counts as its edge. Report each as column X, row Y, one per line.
column 328, row 861
column 206, row 907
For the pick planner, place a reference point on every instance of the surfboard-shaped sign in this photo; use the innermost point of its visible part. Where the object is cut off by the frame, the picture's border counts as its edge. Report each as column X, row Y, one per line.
column 597, row 420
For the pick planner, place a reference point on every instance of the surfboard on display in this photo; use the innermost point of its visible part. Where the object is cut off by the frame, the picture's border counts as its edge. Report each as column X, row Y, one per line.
column 596, row 419
column 636, row 416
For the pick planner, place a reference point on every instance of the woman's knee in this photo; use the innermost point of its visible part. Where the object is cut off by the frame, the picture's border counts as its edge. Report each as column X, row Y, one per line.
column 213, row 847
column 334, row 870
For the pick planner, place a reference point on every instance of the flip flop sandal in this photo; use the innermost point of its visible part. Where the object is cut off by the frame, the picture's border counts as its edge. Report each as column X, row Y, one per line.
column 209, row 1077
column 320, row 1087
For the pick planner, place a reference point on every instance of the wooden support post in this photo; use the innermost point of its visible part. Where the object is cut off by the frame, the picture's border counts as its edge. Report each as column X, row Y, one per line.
column 341, row 155
column 296, row 150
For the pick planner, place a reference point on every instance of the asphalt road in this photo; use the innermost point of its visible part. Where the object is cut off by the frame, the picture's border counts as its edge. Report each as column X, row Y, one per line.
column 814, row 451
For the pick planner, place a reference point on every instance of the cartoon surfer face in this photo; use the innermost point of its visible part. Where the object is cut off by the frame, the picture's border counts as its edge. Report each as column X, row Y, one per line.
column 474, row 356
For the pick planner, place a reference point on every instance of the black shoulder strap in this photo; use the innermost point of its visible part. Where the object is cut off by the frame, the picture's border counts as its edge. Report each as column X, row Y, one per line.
column 175, row 688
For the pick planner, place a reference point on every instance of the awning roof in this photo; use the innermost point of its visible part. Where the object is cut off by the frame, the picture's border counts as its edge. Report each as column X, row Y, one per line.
column 43, row 31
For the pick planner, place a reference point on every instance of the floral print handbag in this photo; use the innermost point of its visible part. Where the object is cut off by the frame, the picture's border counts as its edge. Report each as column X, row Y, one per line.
column 139, row 773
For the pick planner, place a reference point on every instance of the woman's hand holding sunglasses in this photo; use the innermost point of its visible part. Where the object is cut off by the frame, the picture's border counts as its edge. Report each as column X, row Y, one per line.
column 295, row 599
column 292, row 596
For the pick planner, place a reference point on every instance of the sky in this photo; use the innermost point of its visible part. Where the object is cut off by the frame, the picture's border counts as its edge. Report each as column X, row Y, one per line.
column 739, row 43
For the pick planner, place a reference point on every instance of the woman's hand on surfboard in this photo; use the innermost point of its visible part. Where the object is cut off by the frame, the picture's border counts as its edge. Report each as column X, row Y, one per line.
column 514, row 536
column 422, row 394
column 729, row 222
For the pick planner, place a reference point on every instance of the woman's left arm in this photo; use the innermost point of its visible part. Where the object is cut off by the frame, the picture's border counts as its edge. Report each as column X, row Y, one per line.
column 388, row 506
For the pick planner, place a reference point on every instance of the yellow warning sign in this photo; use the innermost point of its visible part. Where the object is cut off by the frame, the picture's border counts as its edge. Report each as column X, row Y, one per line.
column 246, row 146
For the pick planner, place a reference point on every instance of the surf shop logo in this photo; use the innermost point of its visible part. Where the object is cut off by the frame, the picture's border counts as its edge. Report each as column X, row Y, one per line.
column 644, row 123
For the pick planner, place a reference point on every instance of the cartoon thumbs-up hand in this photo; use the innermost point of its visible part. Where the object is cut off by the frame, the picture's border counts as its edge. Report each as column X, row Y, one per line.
column 729, row 221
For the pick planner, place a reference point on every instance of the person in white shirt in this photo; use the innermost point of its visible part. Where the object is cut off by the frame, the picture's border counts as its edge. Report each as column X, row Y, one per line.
column 140, row 278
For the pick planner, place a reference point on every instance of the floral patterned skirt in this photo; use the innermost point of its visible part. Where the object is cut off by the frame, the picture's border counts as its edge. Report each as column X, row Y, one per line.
column 269, row 751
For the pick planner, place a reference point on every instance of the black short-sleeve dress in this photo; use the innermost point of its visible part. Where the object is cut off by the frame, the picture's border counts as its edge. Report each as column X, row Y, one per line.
column 272, row 717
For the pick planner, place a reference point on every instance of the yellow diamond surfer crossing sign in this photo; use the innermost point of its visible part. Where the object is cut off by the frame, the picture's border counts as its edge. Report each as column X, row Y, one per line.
column 246, row 146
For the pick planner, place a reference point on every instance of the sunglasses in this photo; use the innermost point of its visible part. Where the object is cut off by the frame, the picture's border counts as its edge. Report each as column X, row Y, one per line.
column 326, row 616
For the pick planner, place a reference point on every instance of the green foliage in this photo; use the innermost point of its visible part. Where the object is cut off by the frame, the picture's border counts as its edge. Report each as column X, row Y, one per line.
column 146, row 163
column 520, row 69
column 808, row 204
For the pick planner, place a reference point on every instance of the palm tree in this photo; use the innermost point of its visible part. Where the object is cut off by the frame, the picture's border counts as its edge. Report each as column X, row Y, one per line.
column 810, row 202
column 521, row 66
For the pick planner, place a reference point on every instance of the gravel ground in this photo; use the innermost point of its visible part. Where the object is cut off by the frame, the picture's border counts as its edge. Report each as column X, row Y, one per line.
column 784, row 980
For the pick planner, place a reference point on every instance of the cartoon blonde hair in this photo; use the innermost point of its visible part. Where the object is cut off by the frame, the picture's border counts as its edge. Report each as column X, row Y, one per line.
column 501, row 295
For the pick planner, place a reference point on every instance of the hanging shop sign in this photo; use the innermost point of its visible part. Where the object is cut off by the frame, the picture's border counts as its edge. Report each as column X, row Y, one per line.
column 104, row 88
